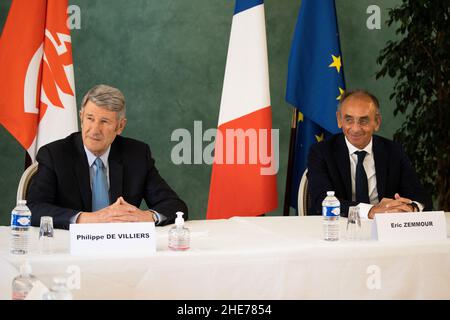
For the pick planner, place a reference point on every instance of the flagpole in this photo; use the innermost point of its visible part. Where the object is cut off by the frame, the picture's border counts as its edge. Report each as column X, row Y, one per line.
column 289, row 174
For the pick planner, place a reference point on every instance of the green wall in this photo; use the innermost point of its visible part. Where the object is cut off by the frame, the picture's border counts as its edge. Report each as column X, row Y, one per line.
column 168, row 57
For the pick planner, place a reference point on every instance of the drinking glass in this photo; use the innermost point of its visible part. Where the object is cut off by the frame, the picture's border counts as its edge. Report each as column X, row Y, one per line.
column 353, row 231
column 46, row 235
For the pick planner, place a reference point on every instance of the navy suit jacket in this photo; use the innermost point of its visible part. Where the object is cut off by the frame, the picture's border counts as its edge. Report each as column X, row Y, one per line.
column 61, row 187
column 329, row 170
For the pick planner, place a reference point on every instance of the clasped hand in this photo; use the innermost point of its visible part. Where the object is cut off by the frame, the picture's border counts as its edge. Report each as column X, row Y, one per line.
column 387, row 205
column 119, row 211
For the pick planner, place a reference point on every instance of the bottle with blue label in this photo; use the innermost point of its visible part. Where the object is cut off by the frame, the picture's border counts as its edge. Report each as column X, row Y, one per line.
column 331, row 210
column 20, row 228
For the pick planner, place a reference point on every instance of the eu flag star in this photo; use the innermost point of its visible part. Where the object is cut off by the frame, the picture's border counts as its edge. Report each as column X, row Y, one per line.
column 299, row 116
column 319, row 137
column 336, row 63
column 341, row 92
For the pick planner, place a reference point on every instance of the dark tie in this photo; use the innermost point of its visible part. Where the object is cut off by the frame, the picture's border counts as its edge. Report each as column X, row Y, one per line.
column 100, row 196
column 361, row 187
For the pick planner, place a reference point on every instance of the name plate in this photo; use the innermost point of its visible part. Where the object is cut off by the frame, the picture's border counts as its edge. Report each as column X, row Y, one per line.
column 430, row 225
column 112, row 238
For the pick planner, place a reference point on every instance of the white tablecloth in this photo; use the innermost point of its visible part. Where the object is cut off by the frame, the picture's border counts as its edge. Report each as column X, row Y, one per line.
column 250, row 258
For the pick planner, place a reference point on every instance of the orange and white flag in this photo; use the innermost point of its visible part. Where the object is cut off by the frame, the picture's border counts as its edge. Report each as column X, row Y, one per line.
column 243, row 179
column 37, row 86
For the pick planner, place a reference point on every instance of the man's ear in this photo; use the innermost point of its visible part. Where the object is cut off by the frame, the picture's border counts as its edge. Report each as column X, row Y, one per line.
column 378, row 120
column 121, row 126
column 338, row 118
column 81, row 116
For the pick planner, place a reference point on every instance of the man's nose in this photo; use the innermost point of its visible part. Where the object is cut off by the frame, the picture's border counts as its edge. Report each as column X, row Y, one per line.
column 95, row 127
column 356, row 126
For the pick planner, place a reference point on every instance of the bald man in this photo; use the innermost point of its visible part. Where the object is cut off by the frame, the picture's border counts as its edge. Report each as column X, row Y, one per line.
column 383, row 182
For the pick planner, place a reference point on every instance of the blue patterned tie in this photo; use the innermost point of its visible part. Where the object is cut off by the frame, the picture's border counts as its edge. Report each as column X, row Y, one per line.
column 100, row 196
column 361, row 184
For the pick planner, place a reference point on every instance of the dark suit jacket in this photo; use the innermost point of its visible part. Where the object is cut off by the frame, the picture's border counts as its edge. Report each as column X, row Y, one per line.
column 61, row 187
column 329, row 170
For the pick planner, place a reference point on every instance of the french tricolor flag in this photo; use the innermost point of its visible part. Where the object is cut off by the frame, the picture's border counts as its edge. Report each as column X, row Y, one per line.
column 243, row 180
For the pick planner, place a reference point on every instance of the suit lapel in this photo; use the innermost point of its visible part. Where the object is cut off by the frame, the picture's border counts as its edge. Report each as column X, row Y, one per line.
column 81, row 170
column 115, row 172
column 380, row 157
column 343, row 164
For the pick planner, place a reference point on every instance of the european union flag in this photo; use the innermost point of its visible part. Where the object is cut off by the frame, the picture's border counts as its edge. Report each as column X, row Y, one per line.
column 315, row 80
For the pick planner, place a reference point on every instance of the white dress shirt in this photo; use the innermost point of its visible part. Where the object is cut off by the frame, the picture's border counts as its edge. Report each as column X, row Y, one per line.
column 91, row 159
column 369, row 167
column 104, row 157
column 92, row 169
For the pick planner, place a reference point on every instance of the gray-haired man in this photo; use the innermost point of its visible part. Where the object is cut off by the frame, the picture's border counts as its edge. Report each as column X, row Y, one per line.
column 99, row 176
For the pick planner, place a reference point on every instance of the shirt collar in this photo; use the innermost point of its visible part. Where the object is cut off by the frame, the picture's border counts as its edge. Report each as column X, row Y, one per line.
column 352, row 149
column 91, row 157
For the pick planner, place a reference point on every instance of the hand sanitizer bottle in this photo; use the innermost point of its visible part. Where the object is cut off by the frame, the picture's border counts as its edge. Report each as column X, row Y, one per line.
column 179, row 235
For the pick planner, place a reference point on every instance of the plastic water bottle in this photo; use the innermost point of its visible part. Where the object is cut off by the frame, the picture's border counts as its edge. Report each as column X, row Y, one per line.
column 331, row 209
column 23, row 283
column 20, row 225
column 179, row 235
column 58, row 291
